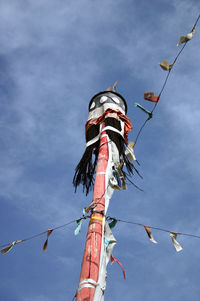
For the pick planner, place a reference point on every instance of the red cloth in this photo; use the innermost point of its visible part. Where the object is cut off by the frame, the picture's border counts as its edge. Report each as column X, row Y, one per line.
column 113, row 259
column 151, row 97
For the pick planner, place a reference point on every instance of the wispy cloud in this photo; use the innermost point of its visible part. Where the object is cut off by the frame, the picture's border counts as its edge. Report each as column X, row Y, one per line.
column 54, row 56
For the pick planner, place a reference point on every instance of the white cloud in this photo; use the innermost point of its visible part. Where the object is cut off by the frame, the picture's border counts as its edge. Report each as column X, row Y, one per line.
column 56, row 56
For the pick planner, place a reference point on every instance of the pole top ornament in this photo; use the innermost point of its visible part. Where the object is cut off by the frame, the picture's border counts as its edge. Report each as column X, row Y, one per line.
column 110, row 97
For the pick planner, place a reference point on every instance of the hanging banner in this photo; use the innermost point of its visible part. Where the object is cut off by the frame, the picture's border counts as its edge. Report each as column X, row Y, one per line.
column 149, row 233
column 177, row 246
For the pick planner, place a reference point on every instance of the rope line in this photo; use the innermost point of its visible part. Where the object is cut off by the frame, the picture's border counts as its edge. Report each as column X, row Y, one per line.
column 108, row 218
column 152, row 227
column 39, row 234
column 164, row 84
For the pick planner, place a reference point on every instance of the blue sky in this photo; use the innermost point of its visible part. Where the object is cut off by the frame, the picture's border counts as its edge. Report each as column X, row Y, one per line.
column 54, row 56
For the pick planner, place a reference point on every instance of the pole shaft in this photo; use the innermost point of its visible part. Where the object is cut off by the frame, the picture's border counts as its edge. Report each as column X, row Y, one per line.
column 92, row 252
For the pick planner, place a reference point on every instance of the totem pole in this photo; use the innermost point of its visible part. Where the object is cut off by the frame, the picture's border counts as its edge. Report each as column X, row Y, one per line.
column 101, row 167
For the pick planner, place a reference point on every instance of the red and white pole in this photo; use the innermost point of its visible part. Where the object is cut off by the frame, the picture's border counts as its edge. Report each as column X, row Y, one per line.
column 92, row 253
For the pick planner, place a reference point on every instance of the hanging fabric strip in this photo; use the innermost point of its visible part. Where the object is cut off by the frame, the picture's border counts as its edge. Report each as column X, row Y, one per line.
column 129, row 152
column 7, row 249
column 46, row 242
column 149, row 233
column 177, row 246
column 108, row 242
column 113, row 259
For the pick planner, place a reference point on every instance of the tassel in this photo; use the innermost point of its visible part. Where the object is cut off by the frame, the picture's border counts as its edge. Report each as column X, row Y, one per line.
column 84, row 172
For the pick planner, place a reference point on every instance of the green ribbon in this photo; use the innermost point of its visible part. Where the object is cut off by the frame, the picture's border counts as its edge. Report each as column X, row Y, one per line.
column 78, row 228
column 79, row 224
column 113, row 223
column 144, row 110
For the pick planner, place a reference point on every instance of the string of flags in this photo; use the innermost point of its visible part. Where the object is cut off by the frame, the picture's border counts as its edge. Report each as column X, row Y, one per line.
column 166, row 66
column 148, row 230
column 7, row 247
column 113, row 221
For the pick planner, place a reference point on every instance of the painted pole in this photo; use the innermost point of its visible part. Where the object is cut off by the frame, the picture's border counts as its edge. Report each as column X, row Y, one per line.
column 91, row 258
column 107, row 130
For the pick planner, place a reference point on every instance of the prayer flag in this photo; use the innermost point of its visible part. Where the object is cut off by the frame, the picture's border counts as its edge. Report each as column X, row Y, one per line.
column 46, row 241
column 177, row 246
column 149, row 233
column 165, row 65
column 113, row 223
column 151, row 97
column 187, row 37
column 78, row 228
column 11, row 245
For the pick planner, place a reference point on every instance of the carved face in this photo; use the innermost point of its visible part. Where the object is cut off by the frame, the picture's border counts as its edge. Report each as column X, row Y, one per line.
column 107, row 97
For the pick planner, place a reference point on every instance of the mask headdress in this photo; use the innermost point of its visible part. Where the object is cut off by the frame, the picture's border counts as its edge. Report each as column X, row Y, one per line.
column 108, row 108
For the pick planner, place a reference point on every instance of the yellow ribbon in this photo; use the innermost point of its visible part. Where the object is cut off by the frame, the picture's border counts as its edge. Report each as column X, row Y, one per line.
column 96, row 217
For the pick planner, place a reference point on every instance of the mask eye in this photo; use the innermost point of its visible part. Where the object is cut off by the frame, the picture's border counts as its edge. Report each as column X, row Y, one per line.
column 92, row 105
column 116, row 100
column 103, row 99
